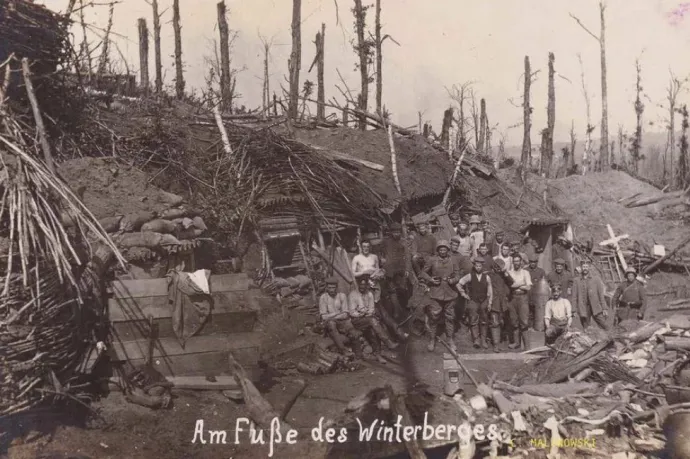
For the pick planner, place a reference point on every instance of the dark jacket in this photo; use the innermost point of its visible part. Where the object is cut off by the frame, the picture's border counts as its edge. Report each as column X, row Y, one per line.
column 448, row 270
column 588, row 291
column 630, row 294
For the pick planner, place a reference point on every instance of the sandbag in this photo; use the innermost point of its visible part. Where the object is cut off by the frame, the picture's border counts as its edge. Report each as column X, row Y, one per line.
column 160, row 225
column 148, row 239
column 171, row 199
column 199, row 223
column 133, row 222
column 110, row 224
column 190, row 233
column 179, row 212
column 169, row 239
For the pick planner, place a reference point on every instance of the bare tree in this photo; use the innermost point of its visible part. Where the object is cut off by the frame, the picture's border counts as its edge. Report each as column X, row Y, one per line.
column 547, row 151
column 105, row 49
column 683, row 160
column 177, row 28
column 675, row 86
column 225, row 75
column 157, row 45
column 319, row 59
column 266, row 92
column 601, row 38
column 636, row 151
column 363, row 49
column 527, row 120
column 143, row 55
column 570, row 164
column 445, row 130
column 84, row 51
column 295, row 61
column 460, row 94
column 621, row 141
column 587, row 154
column 481, row 143
column 379, row 60
column 214, row 61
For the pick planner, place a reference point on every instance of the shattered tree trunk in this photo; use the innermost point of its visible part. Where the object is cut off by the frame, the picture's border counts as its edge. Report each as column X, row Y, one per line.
column 143, row 56
column 527, row 122
column 157, row 46
column 683, row 166
column 266, row 89
column 362, row 52
column 177, row 28
column 639, row 110
column 379, row 61
column 225, row 76
column 481, row 143
column 547, row 145
column 320, row 66
column 604, row 147
column 295, row 62
column 445, row 129
column 105, row 50
column 570, row 165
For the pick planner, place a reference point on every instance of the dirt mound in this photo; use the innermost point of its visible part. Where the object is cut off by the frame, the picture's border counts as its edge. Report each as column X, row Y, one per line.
column 111, row 188
column 592, row 201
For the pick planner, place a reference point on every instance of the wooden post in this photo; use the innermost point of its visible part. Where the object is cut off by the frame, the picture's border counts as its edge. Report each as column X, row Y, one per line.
column 295, row 60
column 143, row 56
column 379, row 60
column 320, row 67
column 527, row 119
column 225, row 77
column 179, row 77
column 157, row 46
column 42, row 135
column 362, row 51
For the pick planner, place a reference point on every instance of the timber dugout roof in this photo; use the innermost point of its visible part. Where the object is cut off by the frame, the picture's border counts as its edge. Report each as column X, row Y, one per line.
column 423, row 170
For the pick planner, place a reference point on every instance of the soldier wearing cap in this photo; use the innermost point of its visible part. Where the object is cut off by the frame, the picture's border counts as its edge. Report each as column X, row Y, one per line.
column 335, row 313
column 488, row 237
column 515, row 250
column 475, row 287
column 630, row 299
column 500, row 286
column 497, row 243
column 464, row 240
column 558, row 315
column 560, row 250
column 483, row 253
column 397, row 266
column 588, row 297
column 441, row 274
column 560, row 277
column 476, row 233
column 519, row 305
column 455, row 221
column 423, row 245
column 505, row 256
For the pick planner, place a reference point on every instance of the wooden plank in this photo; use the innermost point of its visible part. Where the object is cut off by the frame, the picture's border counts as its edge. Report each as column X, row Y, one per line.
column 202, row 383
column 203, row 364
column 125, row 309
column 138, row 349
column 218, row 323
column 493, row 356
column 335, row 154
column 138, row 288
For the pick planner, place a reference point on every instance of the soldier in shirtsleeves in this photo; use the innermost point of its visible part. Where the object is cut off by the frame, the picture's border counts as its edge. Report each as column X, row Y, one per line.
column 368, row 263
column 475, row 287
column 455, row 221
column 500, row 287
column 423, row 246
column 558, row 315
column 396, row 265
column 505, row 256
column 363, row 316
column 588, row 298
column 441, row 275
column 483, row 253
column 629, row 299
column 519, row 304
column 335, row 313
column 476, row 233
column 464, row 261
column 497, row 244
column 560, row 277
column 464, row 240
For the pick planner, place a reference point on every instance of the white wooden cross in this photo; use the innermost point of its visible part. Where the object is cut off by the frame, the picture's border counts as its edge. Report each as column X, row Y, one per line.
column 613, row 241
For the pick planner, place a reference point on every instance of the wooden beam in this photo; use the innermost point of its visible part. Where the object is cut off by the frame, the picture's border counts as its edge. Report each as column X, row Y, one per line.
column 138, row 288
column 616, row 246
column 335, row 154
column 202, row 383
column 667, row 256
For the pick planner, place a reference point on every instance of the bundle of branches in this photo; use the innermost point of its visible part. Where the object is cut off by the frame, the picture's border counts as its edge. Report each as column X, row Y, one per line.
column 44, row 325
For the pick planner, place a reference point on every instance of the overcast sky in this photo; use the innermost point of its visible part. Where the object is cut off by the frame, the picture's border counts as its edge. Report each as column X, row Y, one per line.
column 442, row 42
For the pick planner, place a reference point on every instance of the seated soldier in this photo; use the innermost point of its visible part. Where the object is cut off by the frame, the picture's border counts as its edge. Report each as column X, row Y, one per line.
column 334, row 311
column 363, row 316
column 558, row 315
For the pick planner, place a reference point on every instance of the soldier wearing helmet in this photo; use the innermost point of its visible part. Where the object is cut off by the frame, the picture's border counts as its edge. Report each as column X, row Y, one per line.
column 630, row 299
column 441, row 274
column 559, row 276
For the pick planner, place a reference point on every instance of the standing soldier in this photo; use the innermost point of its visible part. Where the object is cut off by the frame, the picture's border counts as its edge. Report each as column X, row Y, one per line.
column 500, row 286
column 396, row 265
column 488, row 238
column 497, row 244
column 423, row 246
column 505, row 256
column 519, row 304
column 560, row 277
column 589, row 299
column 334, row 310
column 561, row 249
column 475, row 287
column 464, row 241
column 455, row 222
column 441, row 274
column 515, row 250
column 476, row 233
column 483, row 253
column 629, row 299
column 536, row 274
column 464, row 261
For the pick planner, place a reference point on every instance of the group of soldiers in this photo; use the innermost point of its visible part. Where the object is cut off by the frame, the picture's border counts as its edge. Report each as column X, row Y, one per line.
column 477, row 279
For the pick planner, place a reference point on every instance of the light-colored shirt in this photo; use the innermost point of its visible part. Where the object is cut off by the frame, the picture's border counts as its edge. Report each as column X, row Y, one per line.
column 521, row 279
column 477, row 238
column 365, row 264
column 507, row 260
column 465, row 246
column 333, row 308
column 362, row 304
column 560, row 310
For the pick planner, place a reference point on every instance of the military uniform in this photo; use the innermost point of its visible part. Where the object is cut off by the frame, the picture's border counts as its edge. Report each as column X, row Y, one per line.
column 500, row 285
column 629, row 299
column 477, row 287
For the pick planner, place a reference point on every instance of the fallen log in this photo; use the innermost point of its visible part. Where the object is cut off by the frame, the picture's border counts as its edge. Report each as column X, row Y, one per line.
column 398, row 408
column 666, row 257
column 549, row 390
column 580, row 362
column 504, row 405
column 301, row 385
column 672, row 343
column 260, row 411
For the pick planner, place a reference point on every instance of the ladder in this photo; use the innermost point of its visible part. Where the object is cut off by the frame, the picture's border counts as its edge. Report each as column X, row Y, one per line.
column 610, row 268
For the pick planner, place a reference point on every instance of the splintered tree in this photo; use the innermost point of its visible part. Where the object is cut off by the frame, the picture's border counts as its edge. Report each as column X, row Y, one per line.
column 527, row 120
column 675, row 86
column 379, row 60
column 635, row 152
column 105, row 50
column 481, row 143
column 157, row 45
column 570, row 163
column 319, row 41
column 143, row 55
column 547, row 150
column 177, row 28
column 363, row 48
column 295, row 61
column 459, row 95
column 587, row 154
column 604, row 147
column 266, row 90
column 445, row 130
column 683, row 165
column 225, row 75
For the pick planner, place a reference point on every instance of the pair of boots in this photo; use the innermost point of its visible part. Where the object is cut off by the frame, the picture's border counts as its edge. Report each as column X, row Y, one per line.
column 518, row 340
column 432, row 342
column 496, row 338
column 478, row 333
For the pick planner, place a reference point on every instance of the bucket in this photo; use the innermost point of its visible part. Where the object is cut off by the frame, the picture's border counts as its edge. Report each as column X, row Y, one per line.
column 534, row 339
